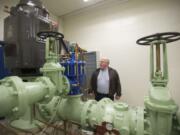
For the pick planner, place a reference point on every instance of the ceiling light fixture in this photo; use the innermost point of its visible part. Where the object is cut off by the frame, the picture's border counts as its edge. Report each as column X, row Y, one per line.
column 30, row 3
column 85, row 0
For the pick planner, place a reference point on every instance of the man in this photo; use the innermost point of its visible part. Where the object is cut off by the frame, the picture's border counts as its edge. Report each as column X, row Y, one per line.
column 105, row 82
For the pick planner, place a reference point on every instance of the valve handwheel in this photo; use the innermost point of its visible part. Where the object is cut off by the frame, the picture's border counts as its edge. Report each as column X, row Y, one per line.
column 168, row 37
column 45, row 34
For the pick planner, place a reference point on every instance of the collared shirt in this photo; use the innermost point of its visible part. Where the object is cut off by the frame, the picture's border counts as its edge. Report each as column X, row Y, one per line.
column 103, row 82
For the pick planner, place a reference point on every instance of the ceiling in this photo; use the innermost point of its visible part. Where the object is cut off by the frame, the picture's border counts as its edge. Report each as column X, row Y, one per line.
column 62, row 7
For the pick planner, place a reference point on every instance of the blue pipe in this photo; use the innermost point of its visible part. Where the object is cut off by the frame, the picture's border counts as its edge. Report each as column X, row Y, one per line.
column 3, row 71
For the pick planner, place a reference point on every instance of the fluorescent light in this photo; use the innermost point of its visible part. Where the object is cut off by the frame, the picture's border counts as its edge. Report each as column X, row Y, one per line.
column 85, row 0
column 30, row 3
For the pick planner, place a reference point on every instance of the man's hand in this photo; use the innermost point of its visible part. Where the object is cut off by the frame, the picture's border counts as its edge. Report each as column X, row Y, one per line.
column 117, row 97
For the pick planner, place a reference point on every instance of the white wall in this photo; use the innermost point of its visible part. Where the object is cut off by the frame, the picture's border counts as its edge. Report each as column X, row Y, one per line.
column 3, row 15
column 113, row 30
column 61, row 25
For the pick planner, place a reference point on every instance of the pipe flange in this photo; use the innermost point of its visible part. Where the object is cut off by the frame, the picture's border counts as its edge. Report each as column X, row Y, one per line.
column 52, row 67
column 120, row 106
column 103, row 102
column 18, row 90
column 49, row 87
column 86, row 110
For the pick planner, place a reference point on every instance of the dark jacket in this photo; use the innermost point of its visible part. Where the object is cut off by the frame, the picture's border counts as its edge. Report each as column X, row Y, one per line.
column 114, row 85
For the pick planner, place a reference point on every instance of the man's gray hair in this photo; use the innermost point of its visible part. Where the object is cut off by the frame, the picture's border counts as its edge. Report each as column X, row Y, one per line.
column 104, row 59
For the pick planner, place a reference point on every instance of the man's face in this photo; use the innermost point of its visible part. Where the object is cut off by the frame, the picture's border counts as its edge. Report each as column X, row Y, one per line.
column 104, row 64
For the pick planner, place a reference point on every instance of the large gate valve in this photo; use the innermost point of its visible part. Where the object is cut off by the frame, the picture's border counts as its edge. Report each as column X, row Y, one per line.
column 159, row 74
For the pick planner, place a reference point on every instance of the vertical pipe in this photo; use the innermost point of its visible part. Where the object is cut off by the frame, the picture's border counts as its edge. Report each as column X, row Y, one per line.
column 47, row 50
column 152, row 62
column 158, row 58
column 165, row 63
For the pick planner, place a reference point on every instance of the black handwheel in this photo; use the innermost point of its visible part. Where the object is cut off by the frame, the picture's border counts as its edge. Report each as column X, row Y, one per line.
column 45, row 34
column 168, row 37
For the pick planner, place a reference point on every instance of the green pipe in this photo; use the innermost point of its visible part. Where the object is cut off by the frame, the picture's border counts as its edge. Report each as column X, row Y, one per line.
column 35, row 91
column 70, row 108
column 16, row 95
column 92, row 113
column 7, row 100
